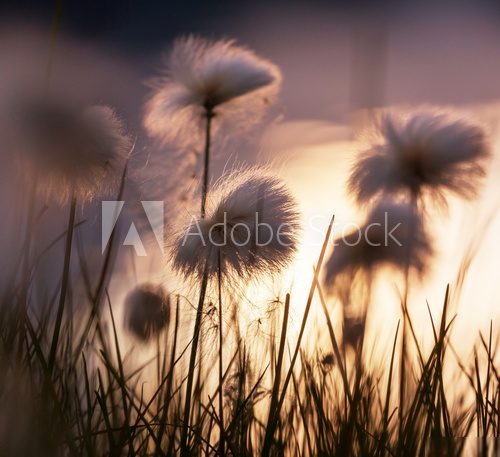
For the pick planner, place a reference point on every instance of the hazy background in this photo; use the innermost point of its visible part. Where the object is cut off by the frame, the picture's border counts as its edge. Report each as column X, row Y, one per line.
column 338, row 59
column 336, row 55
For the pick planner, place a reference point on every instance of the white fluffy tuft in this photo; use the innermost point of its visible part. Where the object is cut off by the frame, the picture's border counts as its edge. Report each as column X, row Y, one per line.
column 221, row 76
column 427, row 151
column 239, row 199
column 371, row 246
column 70, row 150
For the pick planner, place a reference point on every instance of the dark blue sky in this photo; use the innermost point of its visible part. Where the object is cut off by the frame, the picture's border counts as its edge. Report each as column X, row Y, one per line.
column 138, row 23
column 336, row 55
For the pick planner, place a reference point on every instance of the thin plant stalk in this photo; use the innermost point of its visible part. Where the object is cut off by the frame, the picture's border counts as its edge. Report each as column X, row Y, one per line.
column 64, row 283
column 385, row 416
column 170, row 378
column 221, row 406
column 336, row 349
column 34, row 184
column 209, row 114
column 95, row 296
column 56, row 19
column 192, row 362
column 279, row 362
column 402, row 367
column 268, row 439
column 355, row 404
column 30, row 217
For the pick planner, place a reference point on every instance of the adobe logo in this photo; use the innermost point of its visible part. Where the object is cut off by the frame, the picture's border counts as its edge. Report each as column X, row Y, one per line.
column 111, row 211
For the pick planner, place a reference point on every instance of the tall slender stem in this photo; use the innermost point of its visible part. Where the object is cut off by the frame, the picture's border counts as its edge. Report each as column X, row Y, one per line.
column 26, row 258
column 402, row 368
column 56, row 19
column 64, row 283
column 279, row 362
column 95, row 297
column 192, row 361
column 221, row 408
column 209, row 114
column 30, row 218
column 271, row 425
column 168, row 392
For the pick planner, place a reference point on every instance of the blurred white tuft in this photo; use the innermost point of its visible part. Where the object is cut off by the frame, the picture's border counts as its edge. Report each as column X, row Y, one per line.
column 69, row 150
column 147, row 311
column 424, row 152
column 393, row 234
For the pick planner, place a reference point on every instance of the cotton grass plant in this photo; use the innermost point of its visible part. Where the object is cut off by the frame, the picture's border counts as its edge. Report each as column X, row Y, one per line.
column 204, row 84
column 420, row 156
column 425, row 152
column 394, row 237
column 250, row 230
column 71, row 154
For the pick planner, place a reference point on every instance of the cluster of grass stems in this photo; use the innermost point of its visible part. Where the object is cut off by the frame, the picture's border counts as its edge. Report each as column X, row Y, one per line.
column 71, row 382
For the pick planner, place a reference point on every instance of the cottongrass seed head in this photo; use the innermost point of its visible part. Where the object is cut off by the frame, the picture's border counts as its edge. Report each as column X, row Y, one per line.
column 221, row 77
column 252, row 224
column 424, row 152
column 392, row 235
column 69, row 149
column 147, row 311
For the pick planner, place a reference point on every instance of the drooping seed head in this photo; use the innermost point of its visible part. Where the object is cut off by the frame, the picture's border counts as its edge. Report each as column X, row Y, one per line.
column 218, row 78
